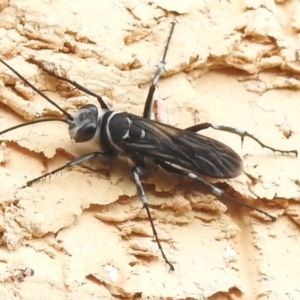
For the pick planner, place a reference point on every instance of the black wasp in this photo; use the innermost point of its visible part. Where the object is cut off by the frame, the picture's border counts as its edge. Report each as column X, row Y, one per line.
column 182, row 152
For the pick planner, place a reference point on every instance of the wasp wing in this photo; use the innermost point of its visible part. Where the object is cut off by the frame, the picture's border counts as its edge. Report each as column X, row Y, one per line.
column 183, row 148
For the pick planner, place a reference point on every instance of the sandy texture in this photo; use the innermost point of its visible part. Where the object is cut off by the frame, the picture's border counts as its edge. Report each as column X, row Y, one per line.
column 82, row 234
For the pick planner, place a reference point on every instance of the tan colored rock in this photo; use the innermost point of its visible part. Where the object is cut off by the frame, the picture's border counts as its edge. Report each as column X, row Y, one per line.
column 82, row 232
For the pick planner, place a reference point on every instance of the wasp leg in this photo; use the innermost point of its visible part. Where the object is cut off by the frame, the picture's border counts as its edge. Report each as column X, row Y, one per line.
column 102, row 155
column 241, row 133
column 149, row 101
column 210, row 187
column 137, row 171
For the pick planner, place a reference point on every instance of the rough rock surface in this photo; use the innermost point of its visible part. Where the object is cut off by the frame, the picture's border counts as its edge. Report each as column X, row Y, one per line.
column 82, row 234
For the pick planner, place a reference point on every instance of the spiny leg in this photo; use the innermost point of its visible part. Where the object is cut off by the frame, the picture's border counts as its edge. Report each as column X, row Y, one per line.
column 241, row 133
column 136, row 175
column 75, row 84
column 73, row 162
column 149, row 101
column 210, row 187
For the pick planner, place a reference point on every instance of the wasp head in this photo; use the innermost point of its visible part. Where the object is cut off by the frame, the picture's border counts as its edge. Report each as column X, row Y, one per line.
column 83, row 127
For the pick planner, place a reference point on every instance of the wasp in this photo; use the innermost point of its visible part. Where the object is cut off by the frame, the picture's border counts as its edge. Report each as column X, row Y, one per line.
column 178, row 151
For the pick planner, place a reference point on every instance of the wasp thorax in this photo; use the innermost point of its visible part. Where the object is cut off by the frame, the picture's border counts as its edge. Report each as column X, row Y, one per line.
column 84, row 125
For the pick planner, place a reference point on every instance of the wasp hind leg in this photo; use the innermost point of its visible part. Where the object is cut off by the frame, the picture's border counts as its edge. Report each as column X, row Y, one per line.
column 241, row 133
column 210, row 187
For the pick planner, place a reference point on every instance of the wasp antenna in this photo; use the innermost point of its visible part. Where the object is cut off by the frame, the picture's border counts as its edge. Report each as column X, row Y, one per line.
column 75, row 84
column 70, row 117
column 33, row 122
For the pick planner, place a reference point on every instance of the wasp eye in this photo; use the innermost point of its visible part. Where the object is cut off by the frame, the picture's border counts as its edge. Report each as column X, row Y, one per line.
column 86, row 132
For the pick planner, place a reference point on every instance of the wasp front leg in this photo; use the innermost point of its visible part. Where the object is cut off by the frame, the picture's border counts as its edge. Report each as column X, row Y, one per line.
column 76, row 161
